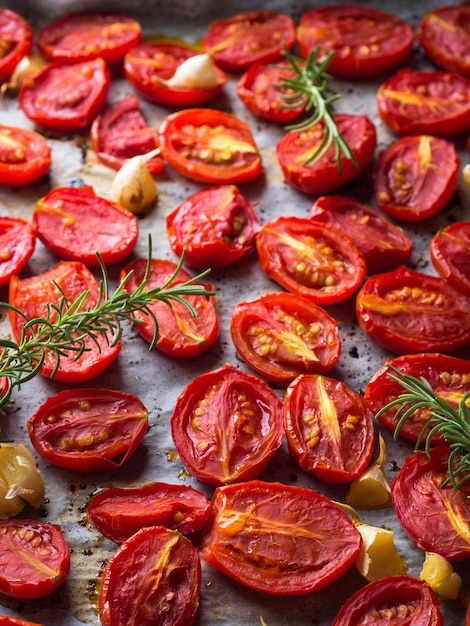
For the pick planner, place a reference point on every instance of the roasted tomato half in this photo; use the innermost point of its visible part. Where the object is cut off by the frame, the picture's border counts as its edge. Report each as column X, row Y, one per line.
column 450, row 255
column 17, row 243
column 25, row 156
column 16, row 37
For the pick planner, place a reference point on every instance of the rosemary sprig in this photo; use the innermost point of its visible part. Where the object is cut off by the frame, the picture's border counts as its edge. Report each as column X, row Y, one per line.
column 67, row 326
column 310, row 88
column 452, row 425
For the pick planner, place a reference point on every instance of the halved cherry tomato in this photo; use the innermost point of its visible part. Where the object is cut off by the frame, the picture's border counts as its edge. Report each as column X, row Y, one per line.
column 118, row 513
column 17, row 243
column 34, row 556
column 91, row 430
column 406, row 311
column 366, row 41
column 25, row 156
column 448, row 376
column 287, row 524
column 398, row 600
column 384, row 245
column 65, row 97
column 237, row 42
column 16, row 37
column 282, row 335
column 450, row 255
column 443, row 32
column 120, row 132
column 11, row 621
column 179, row 334
column 149, row 66
column 34, row 297
column 436, row 517
column 76, row 225
column 324, row 175
column 85, row 36
column 258, row 91
column 329, row 428
column 227, row 425
column 425, row 103
column 154, row 577
column 416, row 177
column 310, row 258
column 215, row 227
column 210, row 146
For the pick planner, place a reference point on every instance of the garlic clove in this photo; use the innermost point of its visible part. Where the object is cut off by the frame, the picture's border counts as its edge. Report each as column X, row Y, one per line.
column 440, row 575
column 20, row 480
column 378, row 557
column 197, row 72
column 372, row 489
column 27, row 66
column 133, row 186
column 466, row 175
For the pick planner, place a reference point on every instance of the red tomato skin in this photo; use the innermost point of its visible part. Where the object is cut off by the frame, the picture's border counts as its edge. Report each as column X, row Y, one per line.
column 249, row 513
column 425, row 103
column 43, row 102
column 154, row 577
column 17, row 243
column 406, row 311
column 17, row 31
column 32, row 296
column 433, row 516
column 148, row 66
column 327, row 410
column 11, row 621
column 322, row 177
column 367, row 42
column 450, row 255
column 34, row 159
column 86, row 36
column 416, row 177
column 120, row 512
column 232, row 452
column 36, row 559
column 89, row 430
column 215, row 227
column 384, row 245
column 449, row 377
column 386, row 594
column 76, row 225
column 237, row 42
column 120, row 132
column 281, row 245
column 197, row 127
column 277, row 316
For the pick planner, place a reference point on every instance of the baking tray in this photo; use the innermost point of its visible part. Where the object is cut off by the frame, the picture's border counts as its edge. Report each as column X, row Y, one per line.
column 158, row 380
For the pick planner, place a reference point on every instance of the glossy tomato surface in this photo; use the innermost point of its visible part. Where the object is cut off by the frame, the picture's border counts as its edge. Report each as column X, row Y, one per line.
column 120, row 132
column 90, row 430
column 416, row 177
column 311, row 259
column 425, row 103
column 227, row 425
column 118, row 513
column 77, row 225
column 85, row 36
column 239, row 41
column 34, row 296
column 448, row 376
column 282, row 335
column 436, row 517
column 394, row 600
column 297, row 553
column 154, row 577
column 25, row 156
column 17, row 243
column 406, row 311
column 384, row 245
column 324, row 176
column 329, row 428
column 16, row 35
column 214, row 227
column 450, row 255
column 179, row 333
column 66, row 98
column 210, row 146
column 35, row 558
column 149, row 68
column 366, row 41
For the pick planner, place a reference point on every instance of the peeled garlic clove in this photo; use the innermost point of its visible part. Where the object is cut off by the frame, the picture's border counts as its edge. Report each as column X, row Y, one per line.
column 466, row 175
column 20, row 480
column 27, row 66
column 133, row 186
column 378, row 557
column 440, row 575
column 197, row 72
column 372, row 489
